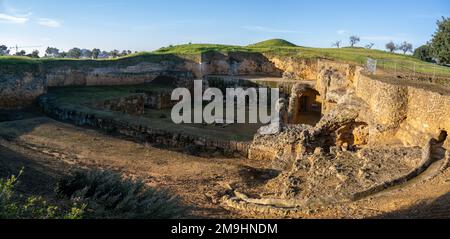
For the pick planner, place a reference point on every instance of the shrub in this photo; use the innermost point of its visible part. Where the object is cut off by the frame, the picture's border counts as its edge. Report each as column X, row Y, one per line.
column 424, row 53
column 110, row 196
column 14, row 206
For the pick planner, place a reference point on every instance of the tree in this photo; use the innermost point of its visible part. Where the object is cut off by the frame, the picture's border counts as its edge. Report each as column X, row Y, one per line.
column 391, row 46
column 74, row 53
column 336, row 44
column 34, row 54
column 406, row 47
column 21, row 53
column 52, row 52
column 370, row 45
column 114, row 53
column 4, row 51
column 104, row 54
column 95, row 53
column 63, row 54
column 85, row 53
column 424, row 53
column 440, row 44
column 354, row 40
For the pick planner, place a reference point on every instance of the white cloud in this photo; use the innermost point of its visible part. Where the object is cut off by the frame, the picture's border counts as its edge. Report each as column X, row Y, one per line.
column 269, row 30
column 342, row 32
column 13, row 19
column 47, row 22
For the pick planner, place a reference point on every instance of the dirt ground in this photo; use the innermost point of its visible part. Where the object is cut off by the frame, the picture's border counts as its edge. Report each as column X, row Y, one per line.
column 48, row 149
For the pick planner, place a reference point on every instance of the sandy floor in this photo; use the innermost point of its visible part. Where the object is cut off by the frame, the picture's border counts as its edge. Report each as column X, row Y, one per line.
column 49, row 149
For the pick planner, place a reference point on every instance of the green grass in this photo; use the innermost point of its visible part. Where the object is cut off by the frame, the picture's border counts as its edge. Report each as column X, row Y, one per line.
column 9, row 63
column 275, row 47
column 194, row 49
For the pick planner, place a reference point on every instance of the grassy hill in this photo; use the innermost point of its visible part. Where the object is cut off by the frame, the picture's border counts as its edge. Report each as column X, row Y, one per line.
column 274, row 47
column 273, row 43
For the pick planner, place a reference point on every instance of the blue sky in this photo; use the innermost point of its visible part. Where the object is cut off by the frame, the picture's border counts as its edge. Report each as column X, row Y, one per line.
column 148, row 25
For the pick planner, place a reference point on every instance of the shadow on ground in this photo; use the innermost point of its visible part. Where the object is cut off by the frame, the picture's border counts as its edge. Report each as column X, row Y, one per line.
column 436, row 209
column 37, row 178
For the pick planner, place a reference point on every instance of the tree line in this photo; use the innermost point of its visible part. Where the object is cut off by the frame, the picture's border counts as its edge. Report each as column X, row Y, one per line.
column 405, row 47
column 76, row 53
column 437, row 50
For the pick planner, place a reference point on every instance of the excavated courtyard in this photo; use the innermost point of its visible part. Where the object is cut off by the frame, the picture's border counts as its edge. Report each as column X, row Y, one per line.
column 351, row 145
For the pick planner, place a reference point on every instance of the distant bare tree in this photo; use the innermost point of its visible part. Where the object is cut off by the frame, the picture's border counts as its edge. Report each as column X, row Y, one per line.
column 354, row 40
column 391, row 46
column 370, row 45
column 336, row 44
column 406, row 47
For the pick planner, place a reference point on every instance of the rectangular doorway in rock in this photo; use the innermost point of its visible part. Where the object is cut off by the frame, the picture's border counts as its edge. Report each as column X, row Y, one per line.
column 305, row 105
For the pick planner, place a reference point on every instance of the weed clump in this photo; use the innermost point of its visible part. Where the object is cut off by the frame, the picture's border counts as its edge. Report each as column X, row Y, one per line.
column 108, row 195
column 16, row 206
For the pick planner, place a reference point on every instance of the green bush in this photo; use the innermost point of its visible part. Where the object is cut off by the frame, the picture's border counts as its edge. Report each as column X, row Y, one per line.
column 424, row 53
column 440, row 43
column 109, row 196
column 14, row 206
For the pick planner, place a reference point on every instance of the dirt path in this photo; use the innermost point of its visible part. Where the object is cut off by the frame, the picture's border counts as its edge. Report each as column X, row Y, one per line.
column 49, row 149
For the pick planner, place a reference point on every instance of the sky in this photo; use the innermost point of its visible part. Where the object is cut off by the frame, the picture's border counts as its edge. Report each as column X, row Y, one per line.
column 146, row 25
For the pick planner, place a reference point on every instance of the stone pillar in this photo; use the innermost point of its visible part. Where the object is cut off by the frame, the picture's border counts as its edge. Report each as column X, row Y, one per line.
column 296, row 93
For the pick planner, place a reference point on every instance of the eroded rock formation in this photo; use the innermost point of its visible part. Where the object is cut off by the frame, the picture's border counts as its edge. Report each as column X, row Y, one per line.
column 375, row 133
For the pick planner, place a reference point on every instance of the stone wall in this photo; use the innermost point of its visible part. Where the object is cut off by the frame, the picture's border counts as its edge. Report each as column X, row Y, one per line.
column 387, row 104
column 410, row 112
column 427, row 115
column 237, row 63
column 20, row 89
column 131, row 75
column 132, row 105
column 142, row 132
column 159, row 100
column 296, row 69
column 394, row 109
